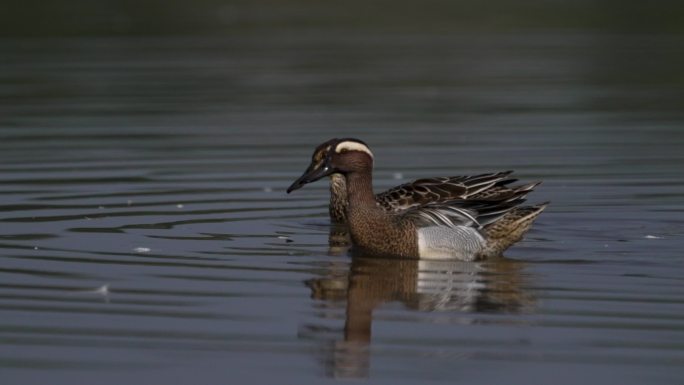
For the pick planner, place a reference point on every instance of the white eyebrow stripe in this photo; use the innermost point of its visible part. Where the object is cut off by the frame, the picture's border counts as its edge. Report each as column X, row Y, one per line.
column 353, row 146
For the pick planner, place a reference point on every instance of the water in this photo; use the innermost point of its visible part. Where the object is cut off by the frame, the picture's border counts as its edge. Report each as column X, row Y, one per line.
column 145, row 234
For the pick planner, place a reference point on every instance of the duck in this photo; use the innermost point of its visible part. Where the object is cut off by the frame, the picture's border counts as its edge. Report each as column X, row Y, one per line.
column 492, row 186
column 463, row 217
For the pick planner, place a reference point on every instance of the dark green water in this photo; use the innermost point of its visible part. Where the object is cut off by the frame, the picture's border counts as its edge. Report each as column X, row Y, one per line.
column 155, row 168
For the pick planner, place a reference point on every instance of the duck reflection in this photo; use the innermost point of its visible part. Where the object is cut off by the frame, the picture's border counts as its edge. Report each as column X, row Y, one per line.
column 429, row 286
column 339, row 239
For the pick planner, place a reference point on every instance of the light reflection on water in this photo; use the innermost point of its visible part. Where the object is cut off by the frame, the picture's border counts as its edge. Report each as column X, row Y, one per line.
column 156, row 168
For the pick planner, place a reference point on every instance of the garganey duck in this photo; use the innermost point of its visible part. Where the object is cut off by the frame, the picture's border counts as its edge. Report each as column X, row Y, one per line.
column 418, row 192
column 464, row 218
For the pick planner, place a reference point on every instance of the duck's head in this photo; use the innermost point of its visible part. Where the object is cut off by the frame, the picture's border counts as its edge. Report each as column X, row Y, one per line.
column 335, row 156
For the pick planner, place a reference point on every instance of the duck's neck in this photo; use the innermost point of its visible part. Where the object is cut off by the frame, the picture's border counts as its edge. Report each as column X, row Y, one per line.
column 360, row 189
column 370, row 227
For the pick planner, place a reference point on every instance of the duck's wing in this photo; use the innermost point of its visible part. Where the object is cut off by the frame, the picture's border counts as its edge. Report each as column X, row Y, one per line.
column 454, row 213
column 426, row 191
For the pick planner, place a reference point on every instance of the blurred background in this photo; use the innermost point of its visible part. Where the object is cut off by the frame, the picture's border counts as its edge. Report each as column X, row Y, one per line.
column 145, row 147
column 175, row 17
column 396, row 61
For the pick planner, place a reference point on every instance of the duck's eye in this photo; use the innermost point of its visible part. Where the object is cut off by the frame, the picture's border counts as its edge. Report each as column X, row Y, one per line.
column 344, row 151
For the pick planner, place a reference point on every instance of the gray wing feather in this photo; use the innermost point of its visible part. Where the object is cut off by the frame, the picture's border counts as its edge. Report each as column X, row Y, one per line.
column 455, row 213
column 443, row 215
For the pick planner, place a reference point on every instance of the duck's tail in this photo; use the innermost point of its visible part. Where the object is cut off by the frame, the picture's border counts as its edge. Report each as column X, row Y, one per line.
column 511, row 228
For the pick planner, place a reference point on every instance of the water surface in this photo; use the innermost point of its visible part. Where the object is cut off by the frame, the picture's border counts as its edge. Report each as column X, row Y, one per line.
column 145, row 234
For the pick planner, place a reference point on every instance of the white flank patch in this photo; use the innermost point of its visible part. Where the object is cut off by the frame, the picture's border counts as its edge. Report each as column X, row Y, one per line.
column 353, row 146
column 451, row 243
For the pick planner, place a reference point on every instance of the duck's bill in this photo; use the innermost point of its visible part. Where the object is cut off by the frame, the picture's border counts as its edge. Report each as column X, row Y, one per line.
column 310, row 176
